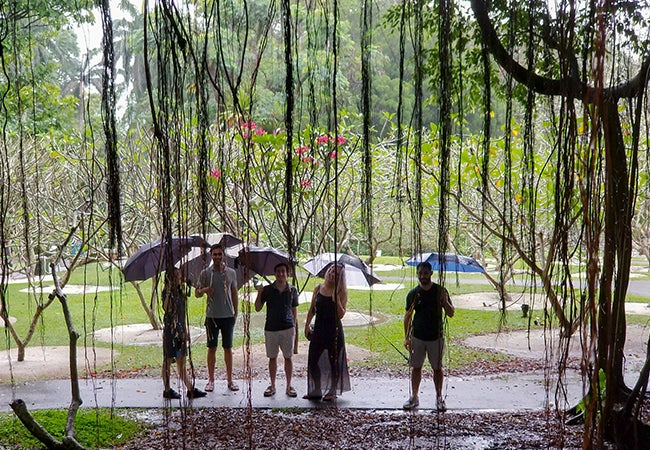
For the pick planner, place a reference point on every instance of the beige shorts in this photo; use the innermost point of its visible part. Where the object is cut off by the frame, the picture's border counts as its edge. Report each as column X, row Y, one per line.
column 280, row 340
column 431, row 349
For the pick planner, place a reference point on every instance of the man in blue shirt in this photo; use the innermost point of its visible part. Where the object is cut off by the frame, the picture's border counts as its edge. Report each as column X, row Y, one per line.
column 281, row 300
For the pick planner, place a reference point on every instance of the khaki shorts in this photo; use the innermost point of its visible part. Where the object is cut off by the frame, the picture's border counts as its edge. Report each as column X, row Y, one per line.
column 431, row 349
column 276, row 340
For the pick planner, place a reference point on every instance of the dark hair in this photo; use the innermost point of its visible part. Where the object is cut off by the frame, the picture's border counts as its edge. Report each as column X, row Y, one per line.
column 424, row 265
column 216, row 246
column 282, row 264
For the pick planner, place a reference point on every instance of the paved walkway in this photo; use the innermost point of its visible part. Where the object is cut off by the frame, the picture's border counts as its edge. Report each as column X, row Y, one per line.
column 505, row 392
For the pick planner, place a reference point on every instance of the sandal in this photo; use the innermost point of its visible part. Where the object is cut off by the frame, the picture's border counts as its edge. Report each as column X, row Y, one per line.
column 209, row 387
column 270, row 391
column 291, row 392
column 329, row 397
column 233, row 386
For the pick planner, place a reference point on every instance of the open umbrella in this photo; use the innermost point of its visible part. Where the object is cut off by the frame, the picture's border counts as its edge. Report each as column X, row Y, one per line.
column 151, row 259
column 262, row 260
column 197, row 259
column 450, row 261
column 357, row 273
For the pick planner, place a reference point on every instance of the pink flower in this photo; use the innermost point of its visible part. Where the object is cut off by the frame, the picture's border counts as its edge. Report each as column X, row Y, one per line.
column 216, row 174
column 340, row 140
column 260, row 131
column 249, row 124
column 322, row 139
column 302, row 149
column 307, row 159
column 333, row 154
column 305, row 183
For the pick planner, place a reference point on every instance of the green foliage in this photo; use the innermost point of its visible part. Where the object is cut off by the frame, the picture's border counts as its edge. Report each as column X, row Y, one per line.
column 95, row 428
column 583, row 405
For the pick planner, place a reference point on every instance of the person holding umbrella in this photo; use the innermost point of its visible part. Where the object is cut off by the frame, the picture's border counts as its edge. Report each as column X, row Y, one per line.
column 219, row 282
column 424, row 332
column 281, row 300
column 327, row 365
column 175, row 336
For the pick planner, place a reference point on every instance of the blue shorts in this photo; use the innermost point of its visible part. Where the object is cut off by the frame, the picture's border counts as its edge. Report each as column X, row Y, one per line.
column 212, row 327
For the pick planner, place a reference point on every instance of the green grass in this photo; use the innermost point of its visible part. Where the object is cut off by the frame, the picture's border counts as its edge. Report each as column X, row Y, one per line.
column 95, row 428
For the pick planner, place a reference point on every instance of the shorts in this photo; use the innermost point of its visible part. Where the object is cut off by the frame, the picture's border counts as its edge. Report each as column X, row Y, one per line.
column 174, row 343
column 283, row 340
column 431, row 349
column 212, row 328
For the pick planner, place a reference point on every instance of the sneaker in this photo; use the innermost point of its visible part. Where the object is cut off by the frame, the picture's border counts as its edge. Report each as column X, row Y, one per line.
column 196, row 393
column 413, row 402
column 440, row 404
column 171, row 393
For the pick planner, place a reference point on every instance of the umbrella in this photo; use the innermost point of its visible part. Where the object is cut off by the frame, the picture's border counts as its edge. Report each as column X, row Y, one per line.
column 450, row 261
column 357, row 273
column 262, row 260
column 150, row 259
column 225, row 239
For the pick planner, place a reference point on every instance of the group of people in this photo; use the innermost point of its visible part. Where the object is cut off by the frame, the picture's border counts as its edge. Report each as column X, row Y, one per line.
column 327, row 370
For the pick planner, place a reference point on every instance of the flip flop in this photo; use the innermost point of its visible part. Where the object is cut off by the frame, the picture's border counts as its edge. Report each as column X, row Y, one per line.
column 209, row 387
column 291, row 392
column 270, row 391
column 233, row 386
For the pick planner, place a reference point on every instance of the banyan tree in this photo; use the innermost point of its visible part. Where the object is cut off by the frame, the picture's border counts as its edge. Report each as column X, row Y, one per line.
column 517, row 130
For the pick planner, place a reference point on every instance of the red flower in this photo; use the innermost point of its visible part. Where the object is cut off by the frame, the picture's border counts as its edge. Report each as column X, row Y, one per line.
column 216, row 174
column 333, row 154
column 322, row 139
column 340, row 140
column 305, row 183
column 307, row 159
column 302, row 149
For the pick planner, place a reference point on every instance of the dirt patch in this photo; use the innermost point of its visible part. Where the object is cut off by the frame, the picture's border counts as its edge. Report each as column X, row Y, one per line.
column 49, row 362
column 539, row 343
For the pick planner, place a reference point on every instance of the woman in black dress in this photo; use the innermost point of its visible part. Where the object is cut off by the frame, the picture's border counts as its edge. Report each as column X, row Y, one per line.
column 327, row 367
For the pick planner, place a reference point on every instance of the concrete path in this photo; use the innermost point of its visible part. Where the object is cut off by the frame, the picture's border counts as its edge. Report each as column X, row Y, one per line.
column 504, row 392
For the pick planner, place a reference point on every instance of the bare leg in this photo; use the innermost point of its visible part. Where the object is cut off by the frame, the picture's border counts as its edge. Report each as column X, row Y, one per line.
column 288, row 370
column 227, row 359
column 182, row 373
column 212, row 351
column 416, row 378
column 165, row 373
column 438, row 377
column 273, row 370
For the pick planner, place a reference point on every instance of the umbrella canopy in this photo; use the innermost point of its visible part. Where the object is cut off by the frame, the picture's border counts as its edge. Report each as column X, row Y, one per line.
column 225, row 239
column 450, row 261
column 197, row 259
column 357, row 273
column 151, row 259
column 262, row 260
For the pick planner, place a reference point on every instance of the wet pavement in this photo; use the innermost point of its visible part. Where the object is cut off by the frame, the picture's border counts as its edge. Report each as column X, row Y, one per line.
column 504, row 392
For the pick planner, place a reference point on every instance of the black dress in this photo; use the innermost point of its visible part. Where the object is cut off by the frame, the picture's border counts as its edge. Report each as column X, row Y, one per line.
column 327, row 365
